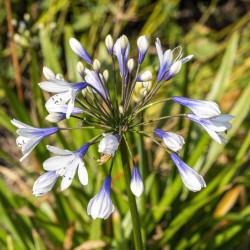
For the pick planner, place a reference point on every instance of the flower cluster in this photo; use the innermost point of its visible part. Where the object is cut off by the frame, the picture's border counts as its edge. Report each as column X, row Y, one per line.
column 114, row 116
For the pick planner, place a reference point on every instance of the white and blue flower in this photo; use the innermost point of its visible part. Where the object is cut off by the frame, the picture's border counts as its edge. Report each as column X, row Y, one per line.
column 77, row 47
column 67, row 91
column 191, row 179
column 145, row 76
column 92, row 79
column 136, row 184
column 109, row 144
column 142, row 46
column 118, row 53
column 171, row 140
column 30, row 136
column 166, row 59
column 214, row 127
column 101, row 206
column 64, row 166
column 202, row 109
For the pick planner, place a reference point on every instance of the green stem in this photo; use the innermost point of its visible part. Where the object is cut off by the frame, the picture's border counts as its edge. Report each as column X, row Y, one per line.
column 131, row 198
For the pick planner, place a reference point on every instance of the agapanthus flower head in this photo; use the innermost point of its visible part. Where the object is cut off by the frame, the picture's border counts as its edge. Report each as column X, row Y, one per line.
column 101, row 206
column 115, row 106
column 192, row 180
column 171, row 140
column 109, row 144
column 214, row 127
column 202, row 109
column 136, row 184
column 30, row 136
column 77, row 47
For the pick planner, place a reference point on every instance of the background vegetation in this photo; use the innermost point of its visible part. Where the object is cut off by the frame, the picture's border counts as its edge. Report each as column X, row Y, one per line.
column 218, row 35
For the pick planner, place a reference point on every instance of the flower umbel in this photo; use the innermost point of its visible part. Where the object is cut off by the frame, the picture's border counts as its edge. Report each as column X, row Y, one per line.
column 111, row 103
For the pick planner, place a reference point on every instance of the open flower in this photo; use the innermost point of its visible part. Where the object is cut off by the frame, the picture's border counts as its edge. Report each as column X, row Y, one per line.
column 214, row 127
column 67, row 91
column 136, row 184
column 65, row 166
column 166, row 59
column 171, row 140
column 202, row 109
column 191, row 179
column 57, row 109
column 109, row 144
column 101, row 206
column 30, row 136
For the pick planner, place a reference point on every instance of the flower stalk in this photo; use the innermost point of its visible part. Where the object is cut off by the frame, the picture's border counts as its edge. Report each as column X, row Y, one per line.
column 131, row 198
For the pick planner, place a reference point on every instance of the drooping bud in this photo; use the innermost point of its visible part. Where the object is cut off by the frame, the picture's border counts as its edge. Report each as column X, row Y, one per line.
column 106, row 75
column 80, row 68
column 55, row 117
column 142, row 46
column 124, row 44
column 77, row 47
column 145, row 76
column 131, row 65
column 136, row 184
column 84, row 92
column 121, row 108
column 174, row 70
column 48, row 73
column 109, row 44
column 96, row 65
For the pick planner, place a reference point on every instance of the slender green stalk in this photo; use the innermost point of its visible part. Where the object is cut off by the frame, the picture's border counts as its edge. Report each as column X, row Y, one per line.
column 131, row 198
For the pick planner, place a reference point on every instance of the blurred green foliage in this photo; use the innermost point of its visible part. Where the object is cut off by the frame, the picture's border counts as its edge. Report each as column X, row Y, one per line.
column 218, row 217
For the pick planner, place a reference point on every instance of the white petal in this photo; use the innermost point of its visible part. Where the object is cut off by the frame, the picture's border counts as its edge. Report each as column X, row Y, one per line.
column 213, row 134
column 58, row 151
column 55, row 86
column 159, row 50
column 82, row 173
column 67, row 180
column 19, row 124
column 186, row 59
column 30, row 144
column 58, row 162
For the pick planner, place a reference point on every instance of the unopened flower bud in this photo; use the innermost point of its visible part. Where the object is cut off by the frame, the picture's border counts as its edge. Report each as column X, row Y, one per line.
column 131, row 65
column 174, row 70
column 124, row 44
column 136, row 184
column 145, row 76
column 96, row 65
column 84, row 92
column 144, row 91
column 55, row 117
column 26, row 17
column 109, row 44
column 48, row 73
column 142, row 46
column 80, row 68
column 59, row 76
column 106, row 75
column 121, row 108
